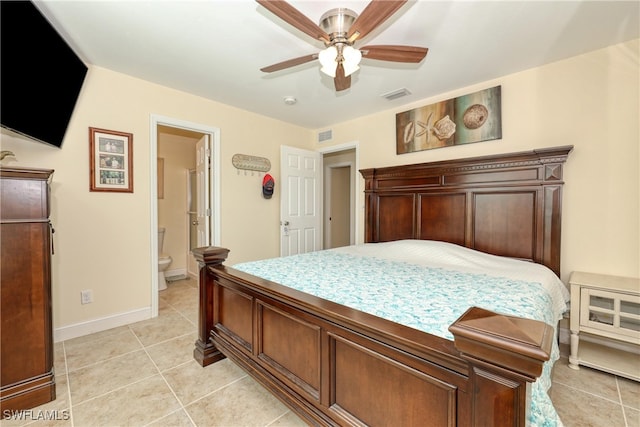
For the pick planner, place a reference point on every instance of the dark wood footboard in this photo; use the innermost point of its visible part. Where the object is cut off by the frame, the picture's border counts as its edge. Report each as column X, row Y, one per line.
column 334, row 365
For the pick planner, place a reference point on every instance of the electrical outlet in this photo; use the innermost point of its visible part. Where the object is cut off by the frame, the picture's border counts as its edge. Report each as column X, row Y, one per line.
column 86, row 296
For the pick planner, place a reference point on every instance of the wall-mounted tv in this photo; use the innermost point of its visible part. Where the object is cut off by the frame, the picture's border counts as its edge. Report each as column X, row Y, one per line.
column 41, row 76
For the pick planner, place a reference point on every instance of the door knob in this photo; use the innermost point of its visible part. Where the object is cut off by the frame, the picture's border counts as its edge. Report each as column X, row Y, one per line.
column 194, row 223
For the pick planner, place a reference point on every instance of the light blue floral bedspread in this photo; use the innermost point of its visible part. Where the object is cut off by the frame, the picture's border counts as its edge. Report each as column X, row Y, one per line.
column 425, row 298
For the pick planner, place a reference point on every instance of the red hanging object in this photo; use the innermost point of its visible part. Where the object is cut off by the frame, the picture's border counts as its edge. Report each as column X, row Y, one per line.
column 267, row 186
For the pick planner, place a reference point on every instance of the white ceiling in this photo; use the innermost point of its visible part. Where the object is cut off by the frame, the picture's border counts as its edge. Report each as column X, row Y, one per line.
column 215, row 48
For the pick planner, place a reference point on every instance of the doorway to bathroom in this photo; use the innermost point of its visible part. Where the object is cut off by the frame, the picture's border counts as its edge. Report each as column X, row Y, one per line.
column 177, row 147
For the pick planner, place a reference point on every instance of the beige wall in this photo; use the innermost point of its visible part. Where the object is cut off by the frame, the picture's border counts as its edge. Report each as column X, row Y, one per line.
column 103, row 240
column 589, row 101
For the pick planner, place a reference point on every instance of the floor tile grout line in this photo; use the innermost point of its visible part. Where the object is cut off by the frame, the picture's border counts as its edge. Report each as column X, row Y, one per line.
column 218, row 389
column 166, row 382
column 139, row 380
column 106, row 360
column 279, row 417
column 180, row 313
column 99, row 336
column 624, row 414
column 168, row 415
column 179, row 365
column 169, row 339
column 584, row 391
column 66, row 372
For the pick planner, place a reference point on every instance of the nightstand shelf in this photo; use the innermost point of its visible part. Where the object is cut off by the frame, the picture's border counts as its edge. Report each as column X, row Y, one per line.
column 605, row 323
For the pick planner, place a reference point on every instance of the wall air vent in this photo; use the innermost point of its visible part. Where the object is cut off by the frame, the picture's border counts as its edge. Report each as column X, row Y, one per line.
column 325, row 135
column 395, row 94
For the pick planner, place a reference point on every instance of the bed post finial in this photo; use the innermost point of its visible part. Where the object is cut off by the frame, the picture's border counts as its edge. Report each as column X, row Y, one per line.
column 505, row 353
column 205, row 352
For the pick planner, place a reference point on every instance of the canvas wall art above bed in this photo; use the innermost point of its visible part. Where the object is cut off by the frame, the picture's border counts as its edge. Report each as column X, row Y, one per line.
column 465, row 119
column 446, row 314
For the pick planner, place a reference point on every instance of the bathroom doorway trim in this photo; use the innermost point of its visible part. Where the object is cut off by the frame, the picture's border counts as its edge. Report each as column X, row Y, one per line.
column 214, row 197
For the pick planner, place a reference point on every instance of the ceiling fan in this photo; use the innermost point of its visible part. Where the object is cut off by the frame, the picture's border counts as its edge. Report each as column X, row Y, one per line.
column 339, row 29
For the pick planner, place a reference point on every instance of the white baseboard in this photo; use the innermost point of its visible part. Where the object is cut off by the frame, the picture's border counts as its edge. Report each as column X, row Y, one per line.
column 182, row 272
column 102, row 324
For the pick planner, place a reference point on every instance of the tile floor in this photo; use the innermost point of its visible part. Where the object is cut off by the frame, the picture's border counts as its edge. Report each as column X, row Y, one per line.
column 144, row 375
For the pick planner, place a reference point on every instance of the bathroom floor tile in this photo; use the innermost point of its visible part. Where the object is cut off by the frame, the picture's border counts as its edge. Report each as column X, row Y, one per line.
column 180, row 289
column 162, row 303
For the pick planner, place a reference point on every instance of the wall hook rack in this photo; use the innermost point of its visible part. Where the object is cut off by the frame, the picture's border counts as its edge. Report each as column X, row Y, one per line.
column 250, row 163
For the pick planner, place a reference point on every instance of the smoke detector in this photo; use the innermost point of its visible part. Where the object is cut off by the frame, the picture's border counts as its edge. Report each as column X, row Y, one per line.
column 290, row 100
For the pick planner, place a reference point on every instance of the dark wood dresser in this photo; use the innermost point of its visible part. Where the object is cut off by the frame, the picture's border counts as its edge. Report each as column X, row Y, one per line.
column 26, row 335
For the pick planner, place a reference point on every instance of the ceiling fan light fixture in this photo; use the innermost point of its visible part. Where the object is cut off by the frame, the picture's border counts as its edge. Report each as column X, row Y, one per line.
column 351, row 60
column 327, row 59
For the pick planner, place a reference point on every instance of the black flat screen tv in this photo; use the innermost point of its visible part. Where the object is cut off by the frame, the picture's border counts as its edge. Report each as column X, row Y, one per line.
column 41, row 76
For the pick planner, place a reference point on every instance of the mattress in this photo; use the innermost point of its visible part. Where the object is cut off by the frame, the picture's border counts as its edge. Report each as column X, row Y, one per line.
column 427, row 285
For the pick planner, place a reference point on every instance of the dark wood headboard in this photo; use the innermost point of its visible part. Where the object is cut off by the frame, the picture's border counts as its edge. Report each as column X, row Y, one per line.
column 507, row 204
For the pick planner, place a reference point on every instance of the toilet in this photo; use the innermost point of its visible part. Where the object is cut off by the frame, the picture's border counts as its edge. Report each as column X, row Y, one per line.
column 163, row 261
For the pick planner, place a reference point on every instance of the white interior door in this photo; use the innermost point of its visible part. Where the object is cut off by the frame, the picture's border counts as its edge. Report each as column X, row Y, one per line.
column 300, row 201
column 203, row 160
column 192, row 221
column 339, row 215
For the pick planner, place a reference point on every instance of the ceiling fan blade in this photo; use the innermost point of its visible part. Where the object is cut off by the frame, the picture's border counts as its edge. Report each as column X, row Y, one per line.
column 289, row 63
column 376, row 12
column 341, row 81
column 294, row 17
column 413, row 54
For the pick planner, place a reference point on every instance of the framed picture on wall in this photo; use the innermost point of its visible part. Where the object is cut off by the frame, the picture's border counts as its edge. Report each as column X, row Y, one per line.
column 110, row 160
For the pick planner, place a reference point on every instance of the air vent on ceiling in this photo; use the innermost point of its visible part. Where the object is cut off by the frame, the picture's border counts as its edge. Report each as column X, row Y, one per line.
column 395, row 94
column 325, row 135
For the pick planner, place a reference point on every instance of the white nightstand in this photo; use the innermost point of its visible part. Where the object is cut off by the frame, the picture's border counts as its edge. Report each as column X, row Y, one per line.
column 609, row 307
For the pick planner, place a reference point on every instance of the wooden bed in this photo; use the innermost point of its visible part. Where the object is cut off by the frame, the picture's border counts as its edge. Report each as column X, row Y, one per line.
column 334, row 365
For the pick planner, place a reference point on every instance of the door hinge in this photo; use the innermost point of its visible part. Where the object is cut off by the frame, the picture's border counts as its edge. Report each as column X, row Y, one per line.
column 207, row 212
